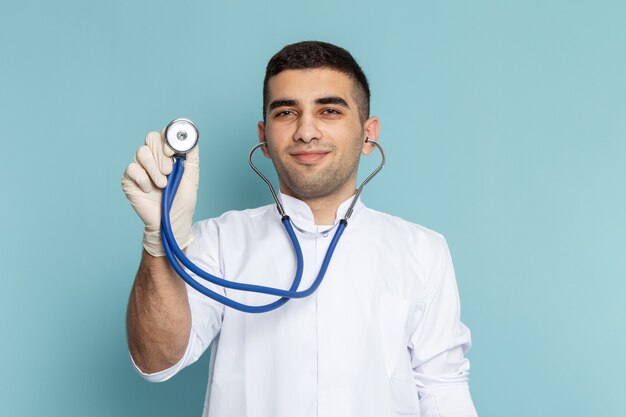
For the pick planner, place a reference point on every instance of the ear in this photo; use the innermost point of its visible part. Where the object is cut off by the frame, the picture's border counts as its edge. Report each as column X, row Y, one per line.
column 263, row 138
column 372, row 130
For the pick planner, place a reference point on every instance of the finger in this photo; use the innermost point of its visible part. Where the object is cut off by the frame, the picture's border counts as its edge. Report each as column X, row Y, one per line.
column 167, row 151
column 146, row 159
column 164, row 162
column 193, row 157
column 139, row 176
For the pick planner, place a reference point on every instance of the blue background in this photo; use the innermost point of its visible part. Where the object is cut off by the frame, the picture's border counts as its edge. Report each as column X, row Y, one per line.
column 505, row 128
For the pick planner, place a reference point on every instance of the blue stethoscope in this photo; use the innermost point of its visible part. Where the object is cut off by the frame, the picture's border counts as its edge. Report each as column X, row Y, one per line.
column 181, row 135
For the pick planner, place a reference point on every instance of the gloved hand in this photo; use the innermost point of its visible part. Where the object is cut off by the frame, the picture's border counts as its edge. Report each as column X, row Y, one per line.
column 143, row 184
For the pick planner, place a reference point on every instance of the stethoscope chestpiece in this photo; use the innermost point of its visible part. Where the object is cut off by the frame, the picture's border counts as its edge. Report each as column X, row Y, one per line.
column 181, row 135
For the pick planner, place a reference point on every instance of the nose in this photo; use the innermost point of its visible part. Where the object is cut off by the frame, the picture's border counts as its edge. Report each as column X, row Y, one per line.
column 307, row 129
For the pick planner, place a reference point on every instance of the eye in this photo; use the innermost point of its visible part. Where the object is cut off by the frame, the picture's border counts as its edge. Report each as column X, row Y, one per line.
column 331, row 112
column 283, row 114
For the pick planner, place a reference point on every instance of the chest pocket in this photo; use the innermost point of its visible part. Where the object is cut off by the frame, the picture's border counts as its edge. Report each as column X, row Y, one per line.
column 397, row 319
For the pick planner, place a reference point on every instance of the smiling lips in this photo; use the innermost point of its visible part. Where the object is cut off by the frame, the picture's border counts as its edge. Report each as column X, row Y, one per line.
column 310, row 156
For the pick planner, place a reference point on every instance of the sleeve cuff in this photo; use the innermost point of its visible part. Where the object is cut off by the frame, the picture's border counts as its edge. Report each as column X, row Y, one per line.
column 453, row 400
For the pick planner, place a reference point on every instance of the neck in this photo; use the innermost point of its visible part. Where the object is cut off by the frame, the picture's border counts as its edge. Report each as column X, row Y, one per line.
column 325, row 208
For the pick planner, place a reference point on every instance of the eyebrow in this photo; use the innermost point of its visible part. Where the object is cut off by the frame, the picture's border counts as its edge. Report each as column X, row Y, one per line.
column 322, row 100
column 332, row 100
column 281, row 103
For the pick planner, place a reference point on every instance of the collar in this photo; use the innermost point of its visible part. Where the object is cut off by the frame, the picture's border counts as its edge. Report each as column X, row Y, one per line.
column 301, row 214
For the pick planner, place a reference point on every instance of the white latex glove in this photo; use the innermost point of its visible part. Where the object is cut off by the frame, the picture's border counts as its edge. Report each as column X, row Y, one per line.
column 143, row 184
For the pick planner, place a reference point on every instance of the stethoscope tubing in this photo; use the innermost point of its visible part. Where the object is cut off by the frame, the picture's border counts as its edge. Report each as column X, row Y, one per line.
column 174, row 253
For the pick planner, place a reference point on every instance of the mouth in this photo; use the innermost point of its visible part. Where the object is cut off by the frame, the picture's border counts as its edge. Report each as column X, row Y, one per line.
column 309, row 157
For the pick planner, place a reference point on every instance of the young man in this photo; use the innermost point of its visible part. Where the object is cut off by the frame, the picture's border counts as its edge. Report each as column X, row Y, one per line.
column 382, row 334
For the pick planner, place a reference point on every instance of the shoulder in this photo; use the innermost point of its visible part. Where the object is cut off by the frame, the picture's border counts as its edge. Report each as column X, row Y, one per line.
column 411, row 234
column 416, row 253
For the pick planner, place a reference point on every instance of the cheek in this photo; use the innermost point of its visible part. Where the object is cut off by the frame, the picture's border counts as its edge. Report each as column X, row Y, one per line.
column 356, row 136
column 276, row 134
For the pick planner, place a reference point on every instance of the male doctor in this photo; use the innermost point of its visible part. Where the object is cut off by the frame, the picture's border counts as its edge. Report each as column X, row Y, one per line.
column 381, row 336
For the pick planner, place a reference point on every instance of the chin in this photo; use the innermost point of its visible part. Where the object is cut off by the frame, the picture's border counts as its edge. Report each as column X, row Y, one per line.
column 311, row 192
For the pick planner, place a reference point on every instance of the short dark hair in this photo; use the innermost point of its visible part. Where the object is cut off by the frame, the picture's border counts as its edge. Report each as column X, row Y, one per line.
column 315, row 54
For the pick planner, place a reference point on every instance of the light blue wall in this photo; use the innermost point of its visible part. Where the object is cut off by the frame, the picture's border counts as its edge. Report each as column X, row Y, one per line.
column 505, row 128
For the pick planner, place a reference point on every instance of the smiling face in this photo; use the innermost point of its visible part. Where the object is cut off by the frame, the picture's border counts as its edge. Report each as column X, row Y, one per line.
column 313, row 132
